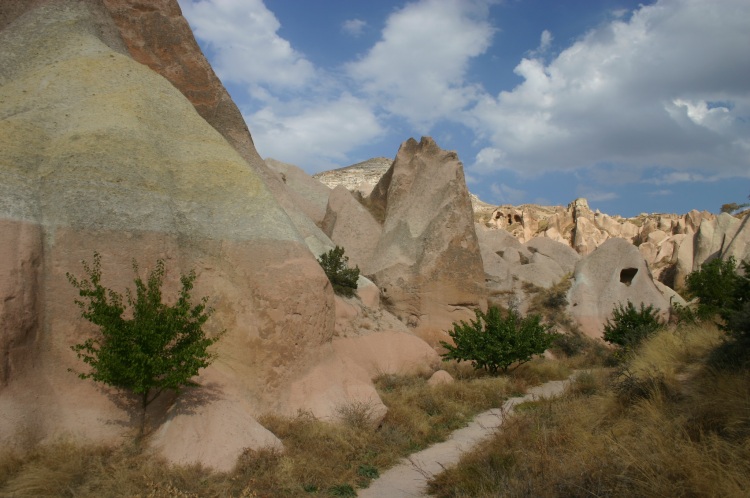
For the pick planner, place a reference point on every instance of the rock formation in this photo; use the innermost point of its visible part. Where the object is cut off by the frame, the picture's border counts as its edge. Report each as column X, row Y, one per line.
column 512, row 267
column 351, row 226
column 613, row 274
column 358, row 178
column 307, row 194
column 427, row 262
column 99, row 152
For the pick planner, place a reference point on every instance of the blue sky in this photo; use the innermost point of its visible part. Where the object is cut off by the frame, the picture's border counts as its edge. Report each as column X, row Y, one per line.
column 637, row 106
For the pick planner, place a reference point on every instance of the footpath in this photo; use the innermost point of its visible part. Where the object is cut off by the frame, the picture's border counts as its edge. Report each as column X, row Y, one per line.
column 408, row 479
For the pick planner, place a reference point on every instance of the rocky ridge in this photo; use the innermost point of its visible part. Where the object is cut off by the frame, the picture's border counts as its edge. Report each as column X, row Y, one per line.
column 361, row 177
column 673, row 245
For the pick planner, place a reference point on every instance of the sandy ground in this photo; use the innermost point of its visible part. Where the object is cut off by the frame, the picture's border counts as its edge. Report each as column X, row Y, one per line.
column 409, row 478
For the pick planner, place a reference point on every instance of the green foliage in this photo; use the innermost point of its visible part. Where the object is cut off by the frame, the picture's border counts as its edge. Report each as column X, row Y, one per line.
column 344, row 490
column 629, row 325
column 342, row 278
column 160, row 347
column 715, row 284
column 494, row 342
column 724, row 292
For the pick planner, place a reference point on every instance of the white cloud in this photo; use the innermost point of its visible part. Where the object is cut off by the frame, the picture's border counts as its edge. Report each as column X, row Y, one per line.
column 418, row 69
column 660, row 193
column 505, row 194
column 314, row 136
column 673, row 177
column 302, row 115
column 488, row 159
column 354, row 27
column 545, row 41
column 596, row 195
column 668, row 86
column 244, row 44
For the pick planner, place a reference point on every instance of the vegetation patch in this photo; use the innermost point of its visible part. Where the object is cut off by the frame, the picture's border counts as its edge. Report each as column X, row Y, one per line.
column 685, row 431
column 319, row 459
column 496, row 339
column 336, row 267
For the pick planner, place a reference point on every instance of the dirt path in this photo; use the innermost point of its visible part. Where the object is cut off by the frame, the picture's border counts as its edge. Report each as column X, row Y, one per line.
column 409, row 478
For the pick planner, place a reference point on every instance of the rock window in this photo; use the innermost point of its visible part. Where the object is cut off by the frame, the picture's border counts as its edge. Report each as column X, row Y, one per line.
column 627, row 275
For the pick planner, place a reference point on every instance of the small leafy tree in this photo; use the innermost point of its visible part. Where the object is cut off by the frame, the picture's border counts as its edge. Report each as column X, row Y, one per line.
column 342, row 278
column 159, row 347
column 716, row 284
column 629, row 326
column 724, row 292
column 494, row 341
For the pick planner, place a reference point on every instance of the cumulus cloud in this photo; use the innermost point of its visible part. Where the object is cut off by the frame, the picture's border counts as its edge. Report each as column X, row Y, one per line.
column 354, row 27
column 418, row 69
column 314, row 136
column 245, row 46
column 300, row 114
column 669, row 86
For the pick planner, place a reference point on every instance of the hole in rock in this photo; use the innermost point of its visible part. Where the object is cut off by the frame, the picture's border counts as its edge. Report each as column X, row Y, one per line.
column 627, row 275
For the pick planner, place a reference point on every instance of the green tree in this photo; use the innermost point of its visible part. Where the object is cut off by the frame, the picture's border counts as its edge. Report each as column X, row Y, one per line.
column 159, row 347
column 629, row 326
column 495, row 341
column 342, row 278
column 716, row 285
column 724, row 292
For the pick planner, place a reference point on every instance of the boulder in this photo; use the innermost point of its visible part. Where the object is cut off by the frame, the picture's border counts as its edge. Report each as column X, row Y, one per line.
column 440, row 377
column 427, row 262
column 558, row 252
column 358, row 360
column 613, row 274
column 351, row 226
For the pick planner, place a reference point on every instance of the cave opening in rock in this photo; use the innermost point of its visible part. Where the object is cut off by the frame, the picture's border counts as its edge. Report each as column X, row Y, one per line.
column 627, row 275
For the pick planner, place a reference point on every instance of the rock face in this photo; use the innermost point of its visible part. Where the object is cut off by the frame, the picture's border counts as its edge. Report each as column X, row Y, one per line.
column 614, row 273
column 308, row 194
column 427, row 262
column 100, row 153
column 357, row 360
column 351, row 226
column 156, row 34
column 511, row 266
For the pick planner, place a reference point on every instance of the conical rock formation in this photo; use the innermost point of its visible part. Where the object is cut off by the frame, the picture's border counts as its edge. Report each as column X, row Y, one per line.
column 427, row 262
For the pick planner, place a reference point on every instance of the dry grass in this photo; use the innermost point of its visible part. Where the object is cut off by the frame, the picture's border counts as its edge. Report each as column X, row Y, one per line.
column 320, row 458
column 678, row 429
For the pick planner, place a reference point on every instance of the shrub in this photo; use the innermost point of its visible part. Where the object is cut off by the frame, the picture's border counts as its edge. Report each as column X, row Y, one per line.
column 629, row 326
column 342, row 278
column 494, row 342
column 725, row 292
column 160, row 347
column 716, row 284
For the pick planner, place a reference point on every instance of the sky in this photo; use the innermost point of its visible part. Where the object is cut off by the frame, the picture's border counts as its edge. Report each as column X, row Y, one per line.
column 638, row 106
